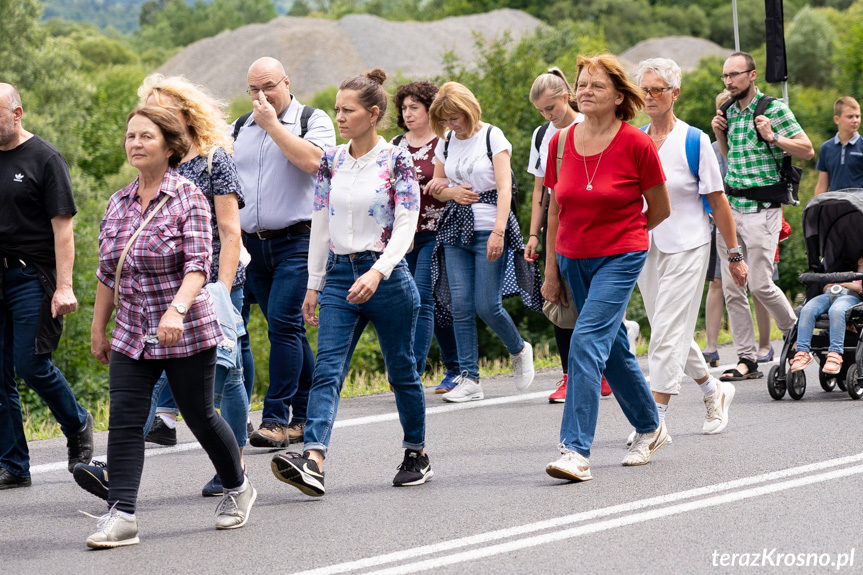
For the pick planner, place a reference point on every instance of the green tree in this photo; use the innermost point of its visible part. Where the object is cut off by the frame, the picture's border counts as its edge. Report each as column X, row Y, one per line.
column 809, row 46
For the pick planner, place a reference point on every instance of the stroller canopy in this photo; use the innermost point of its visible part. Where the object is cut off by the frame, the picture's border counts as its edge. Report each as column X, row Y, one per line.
column 833, row 230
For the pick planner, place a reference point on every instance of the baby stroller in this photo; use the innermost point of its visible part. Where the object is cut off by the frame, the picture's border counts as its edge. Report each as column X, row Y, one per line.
column 833, row 231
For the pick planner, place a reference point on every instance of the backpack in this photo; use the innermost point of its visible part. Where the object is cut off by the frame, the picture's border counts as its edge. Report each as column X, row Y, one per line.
column 693, row 156
column 513, row 204
column 537, row 142
column 760, row 108
column 304, row 122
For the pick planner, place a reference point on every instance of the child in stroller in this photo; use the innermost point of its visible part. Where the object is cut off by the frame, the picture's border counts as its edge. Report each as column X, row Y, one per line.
column 835, row 300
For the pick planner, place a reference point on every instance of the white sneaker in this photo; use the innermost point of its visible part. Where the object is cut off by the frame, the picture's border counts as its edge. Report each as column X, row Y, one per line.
column 717, row 408
column 645, row 444
column 466, row 390
column 522, row 367
column 233, row 510
column 632, row 331
column 571, row 466
column 631, row 438
column 115, row 529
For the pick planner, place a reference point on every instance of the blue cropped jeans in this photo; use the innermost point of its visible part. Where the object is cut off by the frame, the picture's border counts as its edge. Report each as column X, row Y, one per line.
column 601, row 288
column 818, row 305
column 392, row 310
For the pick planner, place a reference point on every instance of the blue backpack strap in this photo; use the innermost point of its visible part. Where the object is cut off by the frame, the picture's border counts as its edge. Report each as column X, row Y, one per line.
column 693, row 157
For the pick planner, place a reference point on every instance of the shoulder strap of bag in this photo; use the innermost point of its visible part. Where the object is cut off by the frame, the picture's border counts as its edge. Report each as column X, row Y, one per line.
column 210, row 161
column 446, row 145
column 304, row 120
column 488, row 145
column 537, row 142
column 693, row 151
column 561, row 142
column 398, row 140
column 132, row 239
column 390, row 166
column 760, row 108
column 238, row 125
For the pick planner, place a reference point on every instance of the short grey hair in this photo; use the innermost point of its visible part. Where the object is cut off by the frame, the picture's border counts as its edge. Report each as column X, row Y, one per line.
column 665, row 68
column 11, row 95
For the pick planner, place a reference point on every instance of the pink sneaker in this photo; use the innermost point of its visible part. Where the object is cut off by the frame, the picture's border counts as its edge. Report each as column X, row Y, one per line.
column 605, row 390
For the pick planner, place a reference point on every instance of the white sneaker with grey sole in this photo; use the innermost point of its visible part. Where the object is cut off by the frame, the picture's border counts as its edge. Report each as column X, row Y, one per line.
column 522, row 367
column 115, row 529
column 233, row 510
column 631, row 438
column 571, row 466
column 717, row 408
column 466, row 390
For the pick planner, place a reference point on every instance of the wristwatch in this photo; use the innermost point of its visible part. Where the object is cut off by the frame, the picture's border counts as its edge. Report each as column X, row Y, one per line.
column 738, row 250
column 179, row 307
column 775, row 137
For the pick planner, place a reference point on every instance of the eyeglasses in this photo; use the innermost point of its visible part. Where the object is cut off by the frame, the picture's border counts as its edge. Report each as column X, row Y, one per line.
column 266, row 89
column 450, row 121
column 655, row 92
column 732, row 75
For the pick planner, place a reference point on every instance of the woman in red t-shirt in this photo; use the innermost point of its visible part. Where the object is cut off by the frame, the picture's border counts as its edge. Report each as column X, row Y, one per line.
column 597, row 236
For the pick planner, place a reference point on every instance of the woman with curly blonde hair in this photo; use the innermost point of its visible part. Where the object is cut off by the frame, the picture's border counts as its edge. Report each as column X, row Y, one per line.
column 209, row 166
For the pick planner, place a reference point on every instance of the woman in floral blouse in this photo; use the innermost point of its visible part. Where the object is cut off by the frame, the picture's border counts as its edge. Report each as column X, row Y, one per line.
column 366, row 209
column 412, row 103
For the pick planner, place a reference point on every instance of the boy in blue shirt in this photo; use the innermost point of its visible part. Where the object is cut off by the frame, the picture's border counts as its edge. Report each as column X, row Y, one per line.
column 840, row 162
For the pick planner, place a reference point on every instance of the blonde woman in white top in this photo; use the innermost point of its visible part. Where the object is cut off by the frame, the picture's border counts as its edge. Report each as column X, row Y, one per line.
column 363, row 221
column 672, row 279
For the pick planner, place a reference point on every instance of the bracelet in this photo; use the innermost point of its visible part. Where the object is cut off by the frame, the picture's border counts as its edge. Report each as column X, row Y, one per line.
column 737, row 258
column 534, row 236
column 497, row 233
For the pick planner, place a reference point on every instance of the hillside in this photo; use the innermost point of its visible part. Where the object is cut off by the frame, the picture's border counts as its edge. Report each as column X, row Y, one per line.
column 121, row 14
column 319, row 53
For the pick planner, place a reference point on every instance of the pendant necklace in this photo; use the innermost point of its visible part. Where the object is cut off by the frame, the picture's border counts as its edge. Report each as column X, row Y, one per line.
column 584, row 159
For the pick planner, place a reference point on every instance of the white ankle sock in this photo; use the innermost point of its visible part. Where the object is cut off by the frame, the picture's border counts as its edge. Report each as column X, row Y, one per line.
column 661, row 409
column 169, row 421
column 709, row 387
column 126, row 515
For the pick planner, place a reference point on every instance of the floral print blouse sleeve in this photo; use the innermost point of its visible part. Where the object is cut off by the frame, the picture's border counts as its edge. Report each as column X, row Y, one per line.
column 319, row 240
column 406, row 209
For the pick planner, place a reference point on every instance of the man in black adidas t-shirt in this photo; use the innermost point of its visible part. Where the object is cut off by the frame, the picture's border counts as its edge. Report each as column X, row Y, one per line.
column 37, row 251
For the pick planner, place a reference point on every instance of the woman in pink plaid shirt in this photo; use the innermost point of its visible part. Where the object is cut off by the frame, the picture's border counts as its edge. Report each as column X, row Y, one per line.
column 165, row 322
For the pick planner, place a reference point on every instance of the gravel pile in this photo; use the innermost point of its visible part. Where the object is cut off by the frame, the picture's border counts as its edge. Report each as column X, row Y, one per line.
column 687, row 51
column 319, row 53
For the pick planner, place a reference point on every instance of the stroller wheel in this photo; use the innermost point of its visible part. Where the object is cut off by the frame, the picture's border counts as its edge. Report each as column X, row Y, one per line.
column 840, row 381
column 855, row 389
column 828, row 382
column 774, row 386
column 796, row 384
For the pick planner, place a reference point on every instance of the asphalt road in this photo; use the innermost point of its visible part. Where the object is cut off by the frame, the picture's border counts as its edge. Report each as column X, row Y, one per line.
column 780, row 487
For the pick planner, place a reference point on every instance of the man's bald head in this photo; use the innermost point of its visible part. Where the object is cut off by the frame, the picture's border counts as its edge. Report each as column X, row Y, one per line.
column 9, row 96
column 267, row 65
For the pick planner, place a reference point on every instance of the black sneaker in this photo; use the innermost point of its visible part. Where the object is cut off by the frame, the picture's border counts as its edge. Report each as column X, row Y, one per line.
column 161, row 434
column 9, row 480
column 92, row 478
column 250, row 429
column 214, row 487
column 299, row 471
column 415, row 469
column 80, row 445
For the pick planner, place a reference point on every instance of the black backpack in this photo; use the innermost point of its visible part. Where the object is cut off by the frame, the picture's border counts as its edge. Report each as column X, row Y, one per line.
column 513, row 204
column 760, row 108
column 304, row 122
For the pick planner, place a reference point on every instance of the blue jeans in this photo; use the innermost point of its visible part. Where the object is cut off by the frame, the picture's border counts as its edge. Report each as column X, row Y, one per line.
column 476, row 285
column 229, row 392
column 19, row 316
column 277, row 278
column 393, row 312
column 601, row 288
column 419, row 264
column 818, row 305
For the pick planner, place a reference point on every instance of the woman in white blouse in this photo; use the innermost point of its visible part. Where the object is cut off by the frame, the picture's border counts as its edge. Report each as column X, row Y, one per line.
column 363, row 221
column 672, row 279
column 477, row 230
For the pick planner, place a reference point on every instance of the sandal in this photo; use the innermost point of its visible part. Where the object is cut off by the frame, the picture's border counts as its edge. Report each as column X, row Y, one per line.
column 736, row 375
column 833, row 364
column 800, row 361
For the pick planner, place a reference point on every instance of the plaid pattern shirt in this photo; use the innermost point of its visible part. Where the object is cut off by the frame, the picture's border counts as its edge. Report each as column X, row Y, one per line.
column 177, row 241
column 749, row 161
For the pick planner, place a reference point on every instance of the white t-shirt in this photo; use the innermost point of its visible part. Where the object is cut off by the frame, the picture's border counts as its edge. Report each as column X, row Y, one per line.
column 688, row 225
column 536, row 164
column 467, row 163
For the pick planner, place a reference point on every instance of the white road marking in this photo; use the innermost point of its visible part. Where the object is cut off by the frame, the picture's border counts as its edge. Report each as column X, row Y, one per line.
column 367, row 420
column 662, row 500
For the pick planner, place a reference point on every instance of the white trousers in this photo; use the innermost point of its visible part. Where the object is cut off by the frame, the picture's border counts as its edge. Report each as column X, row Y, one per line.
column 671, row 286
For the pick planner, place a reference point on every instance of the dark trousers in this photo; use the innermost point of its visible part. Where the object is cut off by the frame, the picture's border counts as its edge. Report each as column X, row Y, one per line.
column 131, row 387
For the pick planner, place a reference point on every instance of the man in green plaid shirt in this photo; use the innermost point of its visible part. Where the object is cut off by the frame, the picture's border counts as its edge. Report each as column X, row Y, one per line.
column 751, row 169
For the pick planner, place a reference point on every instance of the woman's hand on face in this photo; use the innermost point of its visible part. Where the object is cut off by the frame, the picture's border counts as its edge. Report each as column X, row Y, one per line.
column 364, row 288
column 100, row 348
column 494, row 247
column 170, row 329
column 739, row 271
column 310, row 304
column 530, row 253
